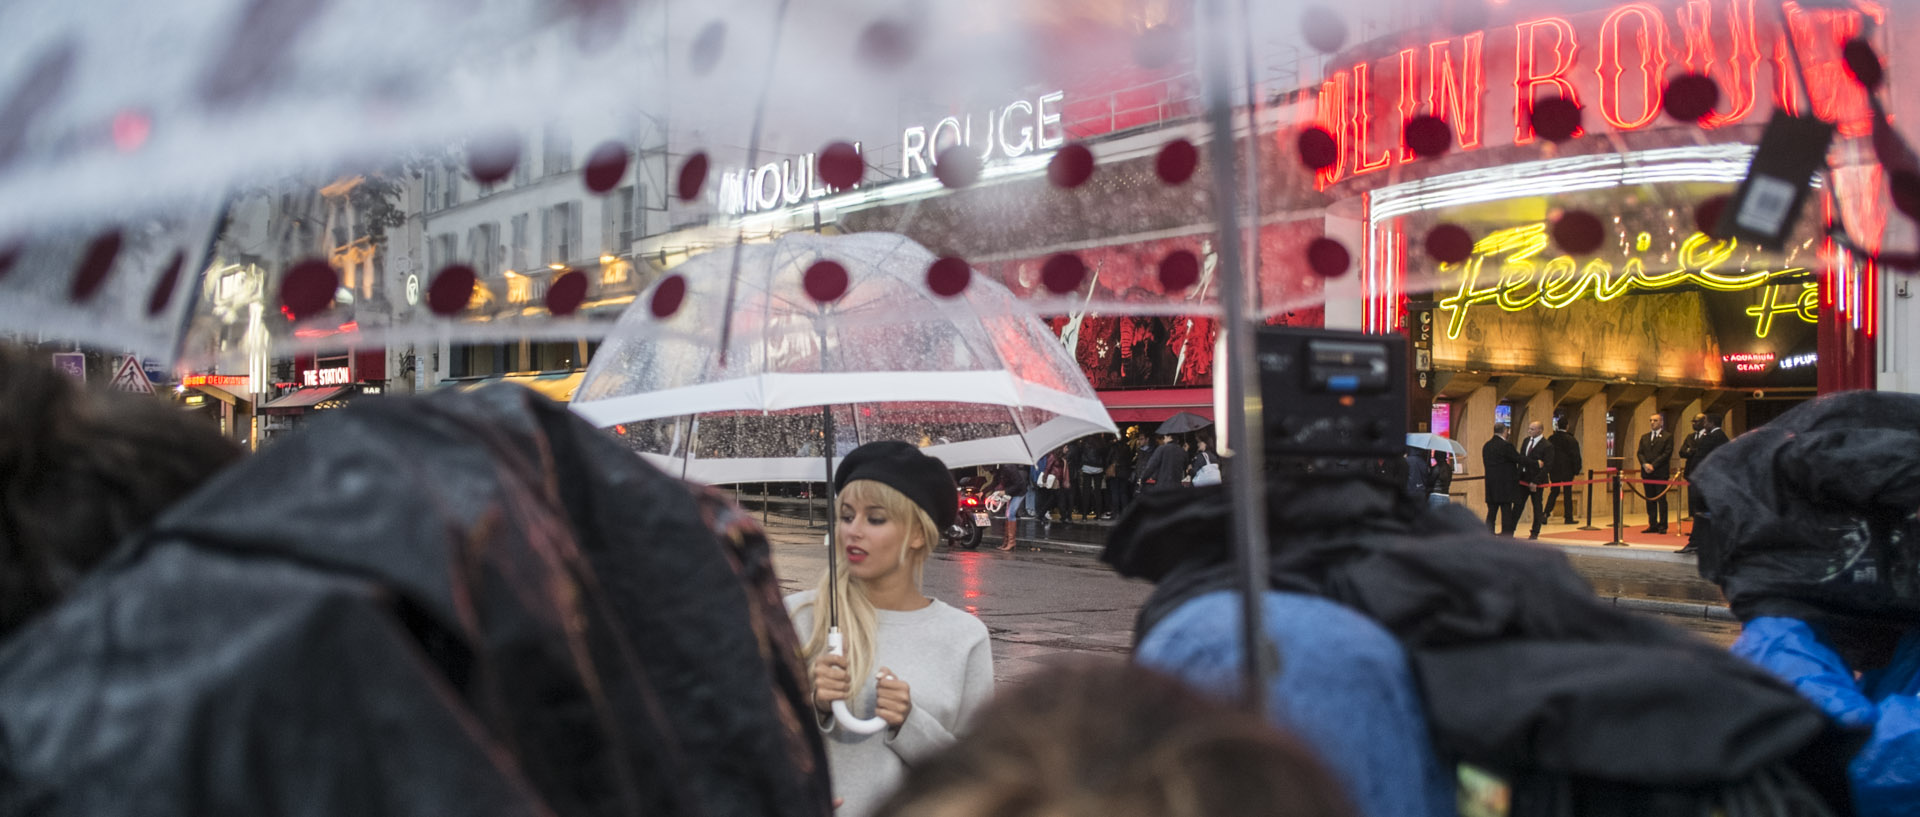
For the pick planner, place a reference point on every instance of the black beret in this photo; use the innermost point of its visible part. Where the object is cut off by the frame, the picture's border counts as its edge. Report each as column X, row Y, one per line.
column 902, row 467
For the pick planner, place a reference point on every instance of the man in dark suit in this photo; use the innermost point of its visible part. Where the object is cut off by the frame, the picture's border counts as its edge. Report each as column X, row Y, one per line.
column 1656, row 463
column 1707, row 436
column 1504, row 494
column 1564, row 468
column 1538, row 454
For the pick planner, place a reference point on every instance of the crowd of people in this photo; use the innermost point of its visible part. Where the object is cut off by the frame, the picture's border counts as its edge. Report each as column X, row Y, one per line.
column 475, row 603
column 1096, row 478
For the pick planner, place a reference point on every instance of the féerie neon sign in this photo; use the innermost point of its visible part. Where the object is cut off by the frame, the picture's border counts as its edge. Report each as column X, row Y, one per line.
column 1527, row 280
column 1615, row 63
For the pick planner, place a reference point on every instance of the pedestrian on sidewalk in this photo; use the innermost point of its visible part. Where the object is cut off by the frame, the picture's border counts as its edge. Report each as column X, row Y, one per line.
column 1166, row 466
column 1440, row 481
column 1090, row 479
column 1201, row 458
column 1120, row 462
column 1537, row 472
column 1505, row 494
column 1564, row 468
column 1419, row 472
column 1656, row 463
column 1707, row 436
column 1052, row 483
column 911, row 660
column 1016, row 482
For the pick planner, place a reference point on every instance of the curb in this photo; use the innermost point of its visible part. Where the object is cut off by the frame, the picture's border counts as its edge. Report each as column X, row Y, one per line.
column 1684, row 609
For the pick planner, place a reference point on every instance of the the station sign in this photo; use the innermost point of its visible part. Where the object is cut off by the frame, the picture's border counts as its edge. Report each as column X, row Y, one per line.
column 1614, row 63
column 331, row 376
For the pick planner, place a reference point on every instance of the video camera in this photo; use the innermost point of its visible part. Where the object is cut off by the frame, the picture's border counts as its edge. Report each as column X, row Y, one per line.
column 1332, row 395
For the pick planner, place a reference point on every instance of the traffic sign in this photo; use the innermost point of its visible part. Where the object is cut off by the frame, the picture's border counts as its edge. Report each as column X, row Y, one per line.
column 73, row 363
column 129, row 376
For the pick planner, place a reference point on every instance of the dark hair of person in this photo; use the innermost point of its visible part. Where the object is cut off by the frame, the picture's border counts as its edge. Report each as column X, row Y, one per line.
column 1105, row 740
column 80, row 471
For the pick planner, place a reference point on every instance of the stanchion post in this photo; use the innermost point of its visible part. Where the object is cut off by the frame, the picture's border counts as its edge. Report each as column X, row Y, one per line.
column 1619, row 499
column 1589, row 525
column 763, row 504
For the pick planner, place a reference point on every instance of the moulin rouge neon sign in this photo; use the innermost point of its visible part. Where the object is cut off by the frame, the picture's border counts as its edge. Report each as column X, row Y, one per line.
column 1525, row 279
column 1615, row 63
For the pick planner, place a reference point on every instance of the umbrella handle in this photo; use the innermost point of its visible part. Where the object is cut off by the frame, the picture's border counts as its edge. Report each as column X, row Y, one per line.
column 841, row 713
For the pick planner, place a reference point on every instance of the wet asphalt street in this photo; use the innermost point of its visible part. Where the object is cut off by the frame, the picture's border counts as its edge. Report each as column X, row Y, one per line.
column 1045, row 606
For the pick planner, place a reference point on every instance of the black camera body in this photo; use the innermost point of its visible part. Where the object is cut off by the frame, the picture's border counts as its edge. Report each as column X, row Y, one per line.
column 1330, row 394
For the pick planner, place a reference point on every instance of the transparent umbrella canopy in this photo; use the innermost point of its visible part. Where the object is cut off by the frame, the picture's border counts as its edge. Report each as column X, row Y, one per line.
column 848, row 322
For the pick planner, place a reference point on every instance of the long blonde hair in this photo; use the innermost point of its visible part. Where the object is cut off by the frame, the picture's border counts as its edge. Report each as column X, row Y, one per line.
column 859, row 626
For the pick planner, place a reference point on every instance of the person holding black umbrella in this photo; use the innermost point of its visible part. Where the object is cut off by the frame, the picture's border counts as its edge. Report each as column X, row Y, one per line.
column 917, row 663
column 1166, row 466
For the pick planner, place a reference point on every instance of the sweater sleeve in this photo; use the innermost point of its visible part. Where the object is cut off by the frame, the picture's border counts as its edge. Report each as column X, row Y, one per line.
column 923, row 735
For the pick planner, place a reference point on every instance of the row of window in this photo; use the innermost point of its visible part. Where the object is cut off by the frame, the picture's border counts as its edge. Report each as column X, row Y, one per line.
column 561, row 238
column 445, row 184
column 483, row 360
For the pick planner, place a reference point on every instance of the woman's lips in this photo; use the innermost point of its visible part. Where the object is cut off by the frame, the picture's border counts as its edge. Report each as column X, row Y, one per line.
column 856, row 555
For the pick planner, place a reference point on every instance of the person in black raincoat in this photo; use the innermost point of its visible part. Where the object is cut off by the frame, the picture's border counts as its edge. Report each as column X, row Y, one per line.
column 463, row 604
column 1581, row 705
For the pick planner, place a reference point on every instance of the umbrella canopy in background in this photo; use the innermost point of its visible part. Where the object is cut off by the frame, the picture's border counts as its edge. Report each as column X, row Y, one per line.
column 1183, row 423
column 847, row 322
column 1435, row 442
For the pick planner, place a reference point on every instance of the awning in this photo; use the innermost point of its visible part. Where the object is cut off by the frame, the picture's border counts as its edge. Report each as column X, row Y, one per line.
column 222, row 395
column 302, row 401
column 1156, row 405
column 557, row 385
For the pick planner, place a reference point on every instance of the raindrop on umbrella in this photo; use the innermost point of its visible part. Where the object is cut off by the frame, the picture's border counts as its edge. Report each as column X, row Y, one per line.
column 668, row 296
column 1328, row 258
column 94, row 266
column 308, row 289
column 826, row 281
column 1323, row 29
column 1449, row 244
column 566, row 293
column 606, row 166
column 840, row 165
column 1071, row 167
column 1179, row 271
column 886, row 44
column 9, row 253
column 451, row 290
column 491, row 158
column 1063, row 273
column 1318, row 150
column 1578, row 232
column 957, row 167
column 130, row 129
column 1429, row 136
column 693, row 175
column 949, row 276
column 1556, row 119
column 1864, row 64
column 163, row 288
column 708, row 45
column 1706, row 217
column 1690, row 97
column 1905, row 186
column 1176, row 162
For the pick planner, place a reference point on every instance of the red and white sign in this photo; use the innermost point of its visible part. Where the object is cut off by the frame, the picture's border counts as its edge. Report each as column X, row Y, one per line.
column 130, row 376
column 333, row 376
column 1615, row 63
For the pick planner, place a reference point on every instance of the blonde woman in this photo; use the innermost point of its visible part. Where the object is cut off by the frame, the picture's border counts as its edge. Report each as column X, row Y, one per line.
column 916, row 663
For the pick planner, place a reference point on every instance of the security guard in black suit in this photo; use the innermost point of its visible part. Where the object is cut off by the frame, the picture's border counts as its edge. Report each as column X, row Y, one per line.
column 1656, row 463
column 1707, row 435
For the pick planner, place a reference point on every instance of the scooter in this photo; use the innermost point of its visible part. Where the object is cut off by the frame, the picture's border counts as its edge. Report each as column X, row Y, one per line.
column 969, row 524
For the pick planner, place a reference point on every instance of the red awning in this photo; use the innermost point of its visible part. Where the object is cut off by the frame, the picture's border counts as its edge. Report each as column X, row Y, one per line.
column 1156, row 405
column 301, row 401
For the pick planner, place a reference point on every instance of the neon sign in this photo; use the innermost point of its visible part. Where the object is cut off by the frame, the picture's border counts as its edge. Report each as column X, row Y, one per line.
column 920, row 147
column 775, row 184
column 1615, row 62
column 1748, row 361
column 218, row 381
column 1526, row 279
column 334, row 376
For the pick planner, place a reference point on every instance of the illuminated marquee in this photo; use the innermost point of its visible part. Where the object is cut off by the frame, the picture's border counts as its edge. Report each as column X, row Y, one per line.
column 1526, row 279
column 334, row 376
column 1615, row 63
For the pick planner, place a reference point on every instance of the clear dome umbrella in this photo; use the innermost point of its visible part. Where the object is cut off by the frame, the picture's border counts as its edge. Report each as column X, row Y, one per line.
column 974, row 378
column 815, row 345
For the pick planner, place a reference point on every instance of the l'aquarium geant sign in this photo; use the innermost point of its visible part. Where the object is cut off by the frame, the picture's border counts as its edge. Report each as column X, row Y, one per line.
column 1613, row 62
column 1009, row 131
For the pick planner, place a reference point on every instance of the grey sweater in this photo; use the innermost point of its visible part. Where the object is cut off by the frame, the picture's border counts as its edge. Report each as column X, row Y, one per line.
column 945, row 658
